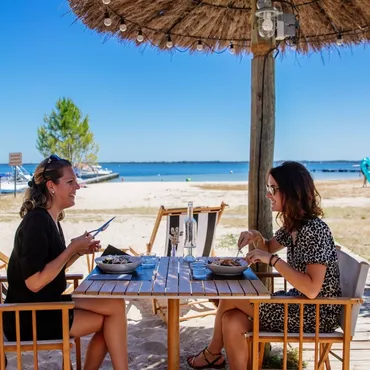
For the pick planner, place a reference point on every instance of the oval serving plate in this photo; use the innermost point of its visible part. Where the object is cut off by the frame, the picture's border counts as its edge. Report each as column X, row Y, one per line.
column 228, row 270
column 109, row 268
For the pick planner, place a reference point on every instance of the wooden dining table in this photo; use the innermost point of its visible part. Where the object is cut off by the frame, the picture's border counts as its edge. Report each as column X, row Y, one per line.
column 171, row 279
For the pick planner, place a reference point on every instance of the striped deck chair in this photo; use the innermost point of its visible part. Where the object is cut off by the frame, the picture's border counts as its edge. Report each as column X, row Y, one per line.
column 207, row 219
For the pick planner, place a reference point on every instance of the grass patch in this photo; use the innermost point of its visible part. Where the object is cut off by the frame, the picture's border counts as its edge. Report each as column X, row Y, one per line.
column 240, row 222
column 117, row 211
column 228, row 241
column 223, row 187
column 274, row 359
column 9, row 203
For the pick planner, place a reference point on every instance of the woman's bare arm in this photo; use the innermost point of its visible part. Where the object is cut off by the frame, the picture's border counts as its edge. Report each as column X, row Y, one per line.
column 42, row 278
column 308, row 283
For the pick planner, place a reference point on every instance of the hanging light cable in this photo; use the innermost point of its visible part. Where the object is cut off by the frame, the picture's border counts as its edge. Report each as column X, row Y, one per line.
column 200, row 45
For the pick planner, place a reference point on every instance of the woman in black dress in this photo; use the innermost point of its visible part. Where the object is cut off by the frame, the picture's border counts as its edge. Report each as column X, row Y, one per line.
column 36, row 271
column 311, row 268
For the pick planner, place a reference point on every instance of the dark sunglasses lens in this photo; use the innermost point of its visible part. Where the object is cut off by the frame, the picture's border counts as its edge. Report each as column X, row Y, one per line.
column 54, row 157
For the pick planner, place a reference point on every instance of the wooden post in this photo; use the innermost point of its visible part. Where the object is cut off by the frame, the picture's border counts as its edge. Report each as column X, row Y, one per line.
column 262, row 133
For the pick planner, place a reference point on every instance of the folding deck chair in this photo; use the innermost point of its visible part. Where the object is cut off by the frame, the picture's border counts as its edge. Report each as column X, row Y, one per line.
column 207, row 219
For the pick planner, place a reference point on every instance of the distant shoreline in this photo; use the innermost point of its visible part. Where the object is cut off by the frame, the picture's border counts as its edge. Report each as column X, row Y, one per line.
column 214, row 161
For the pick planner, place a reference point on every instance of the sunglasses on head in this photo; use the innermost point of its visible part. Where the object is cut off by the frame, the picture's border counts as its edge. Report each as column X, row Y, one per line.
column 271, row 189
column 52, row 158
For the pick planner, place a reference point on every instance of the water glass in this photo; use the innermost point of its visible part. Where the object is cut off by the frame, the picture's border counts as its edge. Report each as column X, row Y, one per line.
column 200, row 273
column 197, row 264
column 149, row 260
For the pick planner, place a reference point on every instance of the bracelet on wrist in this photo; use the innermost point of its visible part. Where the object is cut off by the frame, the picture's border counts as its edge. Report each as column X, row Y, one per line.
column 272, row 256
column 277, row 259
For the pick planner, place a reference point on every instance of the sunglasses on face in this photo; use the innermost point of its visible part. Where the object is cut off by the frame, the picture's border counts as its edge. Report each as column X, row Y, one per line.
column 271, row 189
column 52, row 158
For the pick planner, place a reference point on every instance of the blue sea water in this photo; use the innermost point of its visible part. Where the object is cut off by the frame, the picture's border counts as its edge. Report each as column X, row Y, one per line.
column 211, row 171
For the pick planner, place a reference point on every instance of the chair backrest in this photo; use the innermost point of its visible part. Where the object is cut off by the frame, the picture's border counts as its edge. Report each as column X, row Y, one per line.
column 353, row 275
column 207, row 219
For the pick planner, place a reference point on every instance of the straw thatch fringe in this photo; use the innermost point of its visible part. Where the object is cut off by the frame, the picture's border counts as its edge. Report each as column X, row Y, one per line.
column 217, row 23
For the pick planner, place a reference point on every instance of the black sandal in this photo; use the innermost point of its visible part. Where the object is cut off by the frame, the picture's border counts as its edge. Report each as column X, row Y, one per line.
column 210, row 365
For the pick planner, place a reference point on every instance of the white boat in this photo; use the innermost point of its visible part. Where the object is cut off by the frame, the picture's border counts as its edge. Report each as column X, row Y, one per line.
column 7, row 185
column 89, row 171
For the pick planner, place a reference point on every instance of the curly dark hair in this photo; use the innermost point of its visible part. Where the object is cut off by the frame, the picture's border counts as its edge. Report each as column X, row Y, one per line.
column 37, row 195
column 300, row 198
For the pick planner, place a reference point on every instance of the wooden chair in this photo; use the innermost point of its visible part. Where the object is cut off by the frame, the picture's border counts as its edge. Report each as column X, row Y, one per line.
column 353, row 276
column 207, row 219
column 19, row 346
column 4, row 261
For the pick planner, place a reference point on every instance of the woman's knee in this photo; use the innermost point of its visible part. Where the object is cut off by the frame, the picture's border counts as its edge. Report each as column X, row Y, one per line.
column 233, row 322
column 116, row 307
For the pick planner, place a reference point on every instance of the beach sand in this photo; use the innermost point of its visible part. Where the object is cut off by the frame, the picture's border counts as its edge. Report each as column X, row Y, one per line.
column 135, row 206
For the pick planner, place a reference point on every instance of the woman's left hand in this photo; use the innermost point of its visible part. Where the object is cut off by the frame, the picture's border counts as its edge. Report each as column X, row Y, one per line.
column 258, row 255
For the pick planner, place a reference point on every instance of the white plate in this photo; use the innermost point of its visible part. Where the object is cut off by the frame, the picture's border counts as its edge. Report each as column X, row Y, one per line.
column 228, row 270
column 119, row 268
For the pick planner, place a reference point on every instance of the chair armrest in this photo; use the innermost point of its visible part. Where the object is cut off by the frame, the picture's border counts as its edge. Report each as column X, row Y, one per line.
column 305, row 300
column 74, row 276
column 268, row 275
column 3, row 279
column 39, row 306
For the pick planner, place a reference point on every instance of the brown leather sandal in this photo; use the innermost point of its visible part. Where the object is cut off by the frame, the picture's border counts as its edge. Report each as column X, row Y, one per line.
column 210, row 364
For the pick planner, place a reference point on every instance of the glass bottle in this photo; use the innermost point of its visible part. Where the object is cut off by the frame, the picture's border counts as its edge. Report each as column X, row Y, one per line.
column 190, row 234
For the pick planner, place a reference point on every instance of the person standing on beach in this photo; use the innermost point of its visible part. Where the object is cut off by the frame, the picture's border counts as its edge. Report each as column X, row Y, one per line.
column 36, row 271
column 312, row 269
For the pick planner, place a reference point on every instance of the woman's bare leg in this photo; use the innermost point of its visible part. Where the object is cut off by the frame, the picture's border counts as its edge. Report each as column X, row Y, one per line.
column 234, row 324
column 87, row 322
column 114, row 329
column 216, row 344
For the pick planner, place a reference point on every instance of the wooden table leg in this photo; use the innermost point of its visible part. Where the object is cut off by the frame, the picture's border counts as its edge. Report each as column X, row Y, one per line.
column 173, row 334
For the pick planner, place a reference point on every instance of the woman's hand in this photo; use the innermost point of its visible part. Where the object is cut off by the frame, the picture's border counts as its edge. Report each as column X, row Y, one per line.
column 247, row 237
column 257, row 255
column 85, row 244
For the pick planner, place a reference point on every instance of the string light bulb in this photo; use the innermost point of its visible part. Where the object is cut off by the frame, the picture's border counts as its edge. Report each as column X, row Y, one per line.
column 169, row 42
column 231, row 48
column 106, row 2
column 107, row 20
column 200, row 45
column 140, row 37
column 123, row 26
column 339, row 41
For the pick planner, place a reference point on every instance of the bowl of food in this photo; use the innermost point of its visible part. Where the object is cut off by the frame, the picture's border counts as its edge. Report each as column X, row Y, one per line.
column 114, row 264
column 227, row 266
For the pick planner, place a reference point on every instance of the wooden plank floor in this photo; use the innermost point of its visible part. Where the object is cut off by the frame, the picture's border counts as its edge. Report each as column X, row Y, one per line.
column 360, row 346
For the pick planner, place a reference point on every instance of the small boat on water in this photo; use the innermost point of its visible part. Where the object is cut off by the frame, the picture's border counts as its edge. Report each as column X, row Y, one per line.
column 90, row 171
column 7, row 180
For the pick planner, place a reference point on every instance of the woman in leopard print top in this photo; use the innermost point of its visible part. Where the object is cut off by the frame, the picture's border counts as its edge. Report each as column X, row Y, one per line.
column 311, row 268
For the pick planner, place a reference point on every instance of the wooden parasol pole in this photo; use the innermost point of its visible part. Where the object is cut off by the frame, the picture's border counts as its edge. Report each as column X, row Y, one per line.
column 262, row 132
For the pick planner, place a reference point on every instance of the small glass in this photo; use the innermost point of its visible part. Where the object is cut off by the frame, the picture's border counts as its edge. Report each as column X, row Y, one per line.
column 148, row 259
column 200, row 273
column 197, row 265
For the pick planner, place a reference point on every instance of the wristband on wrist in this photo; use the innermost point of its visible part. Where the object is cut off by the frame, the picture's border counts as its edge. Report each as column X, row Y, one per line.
column 277, row 259
column 272, row 256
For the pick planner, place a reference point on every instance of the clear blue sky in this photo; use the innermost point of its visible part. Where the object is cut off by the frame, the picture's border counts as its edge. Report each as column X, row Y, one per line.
column 146, row 105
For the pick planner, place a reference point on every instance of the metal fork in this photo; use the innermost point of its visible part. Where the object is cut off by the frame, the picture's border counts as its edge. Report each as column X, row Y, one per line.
column 102, row 228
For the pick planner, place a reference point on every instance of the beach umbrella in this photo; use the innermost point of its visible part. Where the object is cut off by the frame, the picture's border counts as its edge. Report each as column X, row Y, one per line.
column 258, row 27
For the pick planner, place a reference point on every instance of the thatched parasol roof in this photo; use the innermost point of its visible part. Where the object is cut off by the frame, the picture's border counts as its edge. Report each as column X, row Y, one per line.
column 215, row 24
